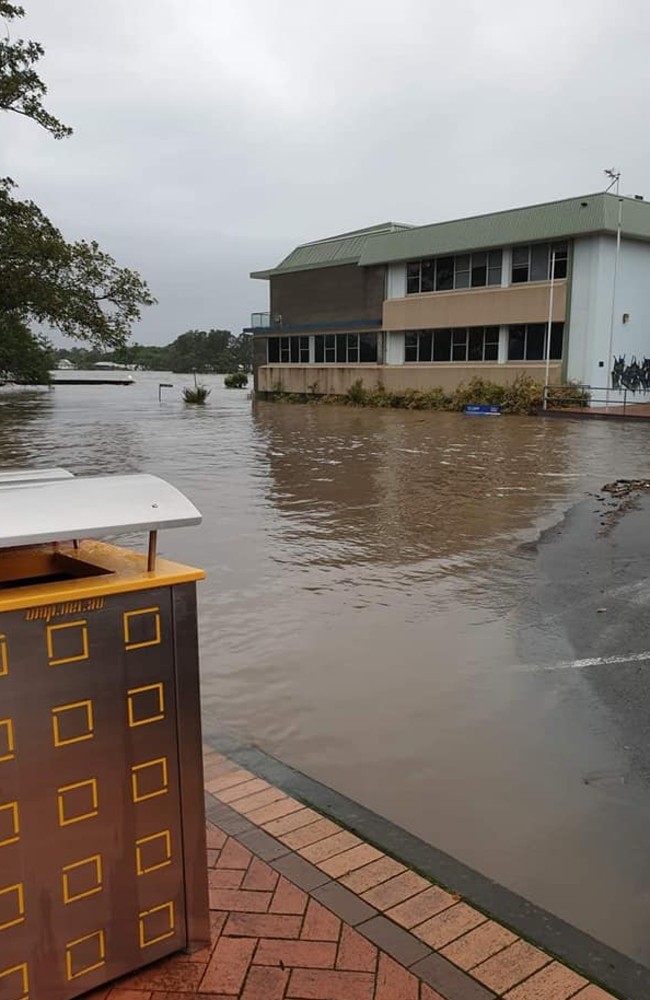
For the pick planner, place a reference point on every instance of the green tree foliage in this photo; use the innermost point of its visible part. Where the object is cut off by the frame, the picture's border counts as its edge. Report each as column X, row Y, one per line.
column 24, row 356
column 199, row 350
column 21, row 88
column 195, row 351
column 74, row 287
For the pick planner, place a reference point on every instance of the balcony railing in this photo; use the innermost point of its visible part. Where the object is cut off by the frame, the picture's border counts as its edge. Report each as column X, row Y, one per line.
column 260, row 321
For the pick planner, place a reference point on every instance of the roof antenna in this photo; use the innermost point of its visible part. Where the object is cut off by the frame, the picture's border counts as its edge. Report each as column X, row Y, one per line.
column 614, row 176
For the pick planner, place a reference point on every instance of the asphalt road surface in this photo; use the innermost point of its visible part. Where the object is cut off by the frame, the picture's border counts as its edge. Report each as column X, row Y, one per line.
column 586, row 638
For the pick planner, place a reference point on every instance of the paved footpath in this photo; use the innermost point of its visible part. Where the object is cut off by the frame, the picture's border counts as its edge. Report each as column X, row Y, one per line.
column 302, row 909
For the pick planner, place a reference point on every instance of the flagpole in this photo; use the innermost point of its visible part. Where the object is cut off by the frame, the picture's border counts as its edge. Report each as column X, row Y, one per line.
column 547, row 351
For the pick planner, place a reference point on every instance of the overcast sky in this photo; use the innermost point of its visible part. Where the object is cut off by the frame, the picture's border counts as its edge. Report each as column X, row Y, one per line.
column 212, row 136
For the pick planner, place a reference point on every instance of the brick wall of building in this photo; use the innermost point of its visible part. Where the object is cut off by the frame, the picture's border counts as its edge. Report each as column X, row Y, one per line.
column 328, row 295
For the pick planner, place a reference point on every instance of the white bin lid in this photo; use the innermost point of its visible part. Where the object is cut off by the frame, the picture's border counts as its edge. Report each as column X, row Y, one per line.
column 18, row 477
column 51, row 509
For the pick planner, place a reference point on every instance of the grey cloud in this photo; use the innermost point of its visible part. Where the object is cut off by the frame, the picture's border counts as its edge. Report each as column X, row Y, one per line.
column 211, row 137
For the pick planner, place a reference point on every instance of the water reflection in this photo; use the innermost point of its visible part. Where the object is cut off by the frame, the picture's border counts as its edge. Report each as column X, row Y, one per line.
column 36, row 429
column 359, row 485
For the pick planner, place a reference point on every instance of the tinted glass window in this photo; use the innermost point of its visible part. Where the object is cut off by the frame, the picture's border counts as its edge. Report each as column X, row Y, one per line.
column 426, row 345
column 536, row 342
column 442, row 345
column 495, row 259
column 413, row 277
column 445, row 274
column 561, row 259
column 427, row 278
column 519, row 264
column 557, row 338
column 539, row 262
column 491, row 343
column 368, row 347
column 516, row 343
column 463, row 271
column 479, row 270
column 459, row 345
column 411, row 346
column 475, row 347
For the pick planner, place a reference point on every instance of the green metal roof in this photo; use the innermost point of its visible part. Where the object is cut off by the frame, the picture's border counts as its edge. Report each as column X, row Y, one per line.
column 333, row 251
column 594, row 213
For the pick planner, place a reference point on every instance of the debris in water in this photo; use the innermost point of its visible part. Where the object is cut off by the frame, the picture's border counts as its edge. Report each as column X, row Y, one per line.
column 623, row 487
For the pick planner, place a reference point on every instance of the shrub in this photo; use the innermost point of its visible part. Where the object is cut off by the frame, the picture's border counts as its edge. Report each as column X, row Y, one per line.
column 196, row 394
column 477, row 392
column 236, row 380
column 571, row 394
column 357, row 395
column 522, row 396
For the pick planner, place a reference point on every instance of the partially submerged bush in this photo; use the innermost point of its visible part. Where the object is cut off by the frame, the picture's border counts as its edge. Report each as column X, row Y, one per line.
column 522, row 396
column 236, row 380
column 571, row 394
column 196, row 394
column 357, row 395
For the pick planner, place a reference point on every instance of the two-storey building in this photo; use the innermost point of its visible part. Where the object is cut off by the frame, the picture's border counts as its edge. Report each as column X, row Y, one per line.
column 561, row 289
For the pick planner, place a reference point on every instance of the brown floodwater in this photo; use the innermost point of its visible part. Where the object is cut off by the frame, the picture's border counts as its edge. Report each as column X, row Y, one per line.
column 363, row 616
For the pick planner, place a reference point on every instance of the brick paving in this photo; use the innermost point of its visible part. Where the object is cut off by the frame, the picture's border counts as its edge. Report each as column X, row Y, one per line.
column 302, row 909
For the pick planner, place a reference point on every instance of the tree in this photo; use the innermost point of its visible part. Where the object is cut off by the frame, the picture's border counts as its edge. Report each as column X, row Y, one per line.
column 21, row 88
column 209, row 351
column 24, row 356
column 74, row 287
column 199, row 350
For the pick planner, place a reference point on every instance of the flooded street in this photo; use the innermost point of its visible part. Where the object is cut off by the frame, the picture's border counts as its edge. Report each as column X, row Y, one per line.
column 380, row 612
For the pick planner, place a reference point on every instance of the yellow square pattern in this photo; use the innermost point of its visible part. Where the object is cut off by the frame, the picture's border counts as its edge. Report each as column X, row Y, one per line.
column 12, row 898
column 140, row 701
column 131, row 619
column 154, row 852
column 7, row 742
column 18, row 975
column 9, row 823
column 149, row 779
column 85, row 954
column 156, row 924
column 4, row 656
column 77, row 802
column 89, row 869
column 83, row 711
column 58, row 630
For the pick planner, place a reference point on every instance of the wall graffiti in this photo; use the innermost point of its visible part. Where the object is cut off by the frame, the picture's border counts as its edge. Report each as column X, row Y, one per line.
column 635, row 377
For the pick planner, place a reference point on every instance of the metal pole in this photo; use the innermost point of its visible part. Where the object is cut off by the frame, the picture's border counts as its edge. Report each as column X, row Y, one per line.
column 151, row 555
column 610, row 347
column 548, row 331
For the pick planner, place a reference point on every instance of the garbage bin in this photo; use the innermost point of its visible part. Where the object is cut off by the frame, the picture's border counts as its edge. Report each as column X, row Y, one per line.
column 102, row 832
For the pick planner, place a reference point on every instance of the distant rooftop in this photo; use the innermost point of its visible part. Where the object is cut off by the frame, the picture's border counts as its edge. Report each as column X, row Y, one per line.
column 391, row 242
column 332, row 251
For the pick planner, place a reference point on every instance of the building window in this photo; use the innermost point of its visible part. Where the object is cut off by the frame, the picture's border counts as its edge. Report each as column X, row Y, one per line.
column 533, row 263
column 288, row 350
column 476, row 343
column 444, row 274
column 528, row 343
column 345, row 348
